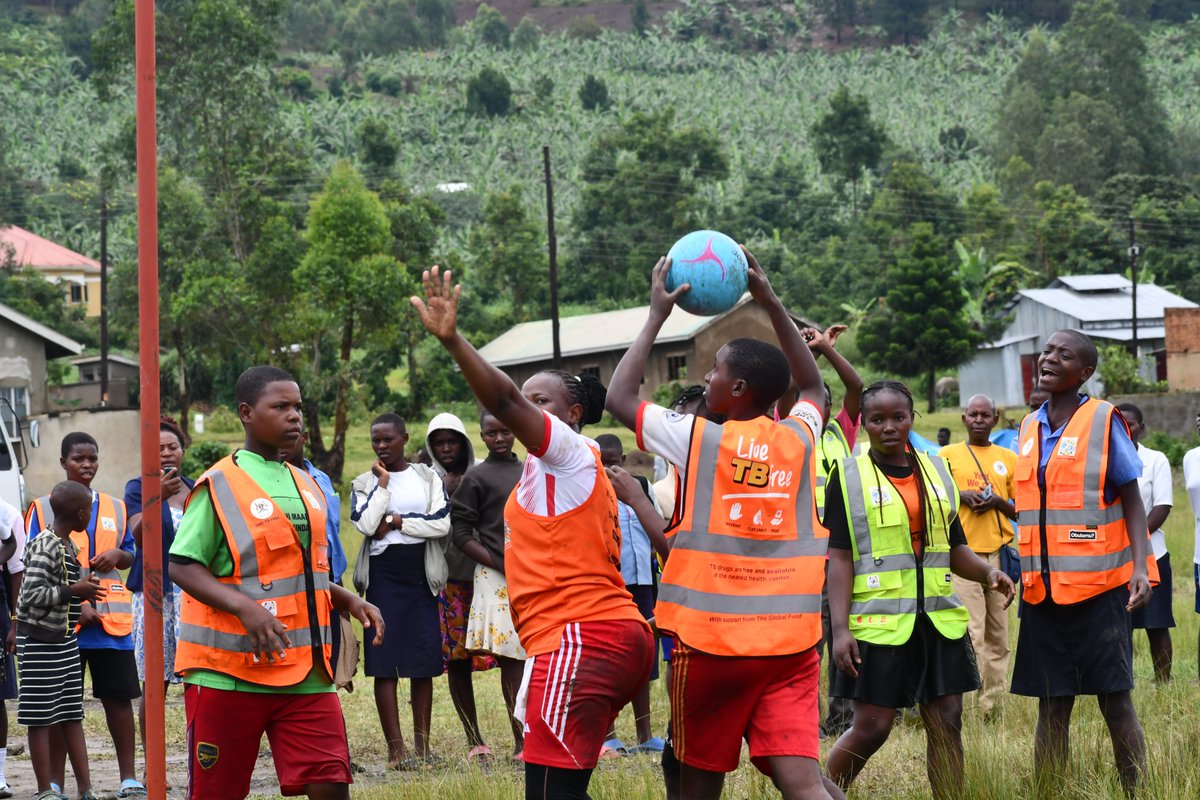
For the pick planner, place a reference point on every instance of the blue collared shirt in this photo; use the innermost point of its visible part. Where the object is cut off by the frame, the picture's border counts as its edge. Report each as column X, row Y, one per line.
column 1124, row 463
column 636, row 565
column 333, row 521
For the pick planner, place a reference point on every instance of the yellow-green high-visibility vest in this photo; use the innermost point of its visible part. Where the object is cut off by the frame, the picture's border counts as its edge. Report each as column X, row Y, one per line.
column 887, row 594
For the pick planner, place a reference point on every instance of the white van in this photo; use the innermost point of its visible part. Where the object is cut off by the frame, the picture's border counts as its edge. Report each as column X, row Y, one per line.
column 13, row 457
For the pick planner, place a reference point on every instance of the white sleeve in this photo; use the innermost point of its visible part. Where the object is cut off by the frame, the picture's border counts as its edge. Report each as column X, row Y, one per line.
column 16, row 528
column 809, row 414
column 665, row 432
column 1161, row 481
column 564, row 450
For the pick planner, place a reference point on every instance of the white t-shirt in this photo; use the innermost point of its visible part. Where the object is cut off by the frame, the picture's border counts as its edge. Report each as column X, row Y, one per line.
column 406, row 493
column 12, row 524
column 1191, row 481
column 1155, row 486
column 669, row 433
column 560, row 477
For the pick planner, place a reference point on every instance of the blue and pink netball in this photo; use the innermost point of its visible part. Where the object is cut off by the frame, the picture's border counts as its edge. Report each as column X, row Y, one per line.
column 714, row 266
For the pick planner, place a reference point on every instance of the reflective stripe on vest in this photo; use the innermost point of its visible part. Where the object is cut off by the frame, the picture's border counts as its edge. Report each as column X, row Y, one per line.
column 272, row 568
column 834, row 446
column 747, row 557
column 884, row 603
column 1087, row 545
column 106, row 530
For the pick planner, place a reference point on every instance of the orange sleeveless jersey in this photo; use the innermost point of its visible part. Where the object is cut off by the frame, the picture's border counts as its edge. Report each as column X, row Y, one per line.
column 565, row 568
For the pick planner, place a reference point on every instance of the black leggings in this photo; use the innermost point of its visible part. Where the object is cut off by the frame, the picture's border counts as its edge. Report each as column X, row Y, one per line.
column 556, row 783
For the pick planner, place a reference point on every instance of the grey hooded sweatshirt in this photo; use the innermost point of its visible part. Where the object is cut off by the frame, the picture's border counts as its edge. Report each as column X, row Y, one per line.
column 462, row 568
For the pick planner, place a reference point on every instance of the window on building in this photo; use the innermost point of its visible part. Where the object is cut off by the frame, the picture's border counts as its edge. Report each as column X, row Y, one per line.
column 677, row 368
column 593, row 370
column 14, row 406
column 78, row 293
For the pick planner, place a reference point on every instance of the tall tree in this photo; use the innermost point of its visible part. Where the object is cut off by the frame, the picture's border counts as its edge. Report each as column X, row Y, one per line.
column 218, row 108
column 509, row 257
column 921, row 327
column 903, row 18
column 358, row 296
column 847, row 141
column 639, row 191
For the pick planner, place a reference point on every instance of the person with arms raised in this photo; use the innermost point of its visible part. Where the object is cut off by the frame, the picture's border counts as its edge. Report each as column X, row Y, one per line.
column 589, row 648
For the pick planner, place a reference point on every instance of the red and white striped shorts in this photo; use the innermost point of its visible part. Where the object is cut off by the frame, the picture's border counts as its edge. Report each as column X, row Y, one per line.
column 576, row 692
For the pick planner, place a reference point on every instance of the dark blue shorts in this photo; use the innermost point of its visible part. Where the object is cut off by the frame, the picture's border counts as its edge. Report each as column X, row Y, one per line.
column 643, row 596
column 1196, row 578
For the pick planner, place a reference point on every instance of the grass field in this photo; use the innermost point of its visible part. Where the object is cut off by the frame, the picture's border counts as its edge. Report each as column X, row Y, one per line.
column 998, row 754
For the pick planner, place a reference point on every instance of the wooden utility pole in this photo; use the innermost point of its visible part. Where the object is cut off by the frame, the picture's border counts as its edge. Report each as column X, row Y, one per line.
column 1134, row 252
column 552, row 243
column 103, row 296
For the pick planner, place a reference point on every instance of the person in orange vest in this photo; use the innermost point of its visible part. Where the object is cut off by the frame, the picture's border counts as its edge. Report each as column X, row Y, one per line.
column 1084, row 559
column 589, row 648
column 741, row 590
column 255, row 635
column 105, row 626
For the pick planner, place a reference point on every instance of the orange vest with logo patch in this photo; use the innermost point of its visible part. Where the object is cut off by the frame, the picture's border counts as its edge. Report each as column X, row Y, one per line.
column 272, row 568
column 748, row 554
column 1069, row 531
column 116, row 609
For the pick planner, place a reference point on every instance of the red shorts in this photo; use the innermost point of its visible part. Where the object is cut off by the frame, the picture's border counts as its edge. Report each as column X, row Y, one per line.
column 576, row 692
column 770, row 701
column 306, row 732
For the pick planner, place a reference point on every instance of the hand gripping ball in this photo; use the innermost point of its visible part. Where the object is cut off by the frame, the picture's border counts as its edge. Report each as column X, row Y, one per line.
column 714, row 266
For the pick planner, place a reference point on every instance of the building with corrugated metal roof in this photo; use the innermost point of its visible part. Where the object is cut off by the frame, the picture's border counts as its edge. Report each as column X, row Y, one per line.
column 594, row 343
column 1099, row 305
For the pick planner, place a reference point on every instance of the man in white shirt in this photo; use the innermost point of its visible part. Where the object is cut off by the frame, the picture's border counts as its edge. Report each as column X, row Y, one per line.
column 1191, row 481
column 1155, row 485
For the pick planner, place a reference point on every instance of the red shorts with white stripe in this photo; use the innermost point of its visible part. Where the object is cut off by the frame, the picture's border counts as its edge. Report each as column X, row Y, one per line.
column 576, row 692
column 770, row 701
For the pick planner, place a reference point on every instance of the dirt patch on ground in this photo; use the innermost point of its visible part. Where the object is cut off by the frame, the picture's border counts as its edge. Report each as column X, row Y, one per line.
column 554, row 18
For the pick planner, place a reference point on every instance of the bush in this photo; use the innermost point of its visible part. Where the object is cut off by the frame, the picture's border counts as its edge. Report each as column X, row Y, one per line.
column 543, row 88
column 527, row 35
column 1174, row 449
column 335, row 85
column 584, row 28
column 201, row 456
column 296, row 82
column 1118, row 371
column 391, row 85
column 374, row 80
column 491, row 27
column 593, row 94
column 489, row 93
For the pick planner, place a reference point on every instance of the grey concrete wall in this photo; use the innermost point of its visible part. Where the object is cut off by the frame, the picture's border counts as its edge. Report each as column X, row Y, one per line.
column 118, row 433
column 1172, row 413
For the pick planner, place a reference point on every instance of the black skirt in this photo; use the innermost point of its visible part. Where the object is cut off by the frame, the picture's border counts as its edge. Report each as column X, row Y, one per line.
column 924, row 668
column 412, row 644
column 1069, row 650
column 1157, row 613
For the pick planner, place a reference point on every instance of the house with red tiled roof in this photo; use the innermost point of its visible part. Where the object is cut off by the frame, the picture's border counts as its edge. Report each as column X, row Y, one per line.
column 78, row 275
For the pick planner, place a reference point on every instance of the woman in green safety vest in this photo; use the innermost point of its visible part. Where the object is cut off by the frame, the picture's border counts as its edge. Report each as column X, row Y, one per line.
column 899, row 630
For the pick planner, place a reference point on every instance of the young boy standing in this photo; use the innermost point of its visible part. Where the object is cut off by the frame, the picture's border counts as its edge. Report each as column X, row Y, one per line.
column 637, row 570
column 105, row 546
column 51, row 703
column 252, row 557
column 741, row 591
column 1083, row 557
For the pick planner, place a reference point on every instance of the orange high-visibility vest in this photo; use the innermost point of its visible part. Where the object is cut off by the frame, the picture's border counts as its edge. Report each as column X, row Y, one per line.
column 105, row 532
column 272, row 568
column 748, row 556
column 1069, row 531
column 565, row 568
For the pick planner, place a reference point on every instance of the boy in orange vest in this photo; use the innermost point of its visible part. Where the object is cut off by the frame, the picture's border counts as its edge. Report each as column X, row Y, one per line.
column 1084, row 547
column 106, row 627
column 741, row 590
column 255, row 633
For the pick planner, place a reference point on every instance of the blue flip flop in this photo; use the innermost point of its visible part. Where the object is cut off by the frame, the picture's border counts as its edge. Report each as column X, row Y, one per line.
column 131, row 787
